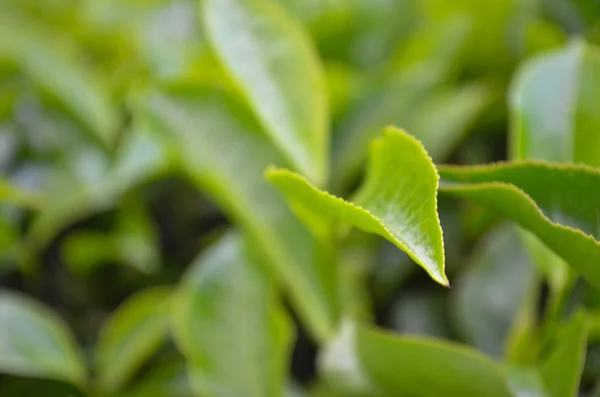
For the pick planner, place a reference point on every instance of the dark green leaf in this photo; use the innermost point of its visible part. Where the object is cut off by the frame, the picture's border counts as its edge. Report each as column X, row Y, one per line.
column 557, row 203
column 274, row 63
column 230, row 325
column 132, row 334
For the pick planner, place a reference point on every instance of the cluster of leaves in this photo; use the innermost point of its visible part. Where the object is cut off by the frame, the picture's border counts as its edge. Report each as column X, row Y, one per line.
column 203, row 194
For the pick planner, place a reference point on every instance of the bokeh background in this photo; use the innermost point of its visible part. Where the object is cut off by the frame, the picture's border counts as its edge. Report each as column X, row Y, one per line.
column 110, row 216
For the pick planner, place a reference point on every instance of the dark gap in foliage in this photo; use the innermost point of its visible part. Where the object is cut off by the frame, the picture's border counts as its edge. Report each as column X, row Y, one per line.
column 183, row 217
column 417, row 291
column 17, row 386
column 304, row 353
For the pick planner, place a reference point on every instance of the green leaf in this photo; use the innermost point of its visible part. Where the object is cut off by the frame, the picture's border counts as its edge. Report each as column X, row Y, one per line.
column 428, row 59
column 278, row 70
column 229, row 323
column 562, row 370
column 133, row 242
column 557, row 203
column 379, row 363
column 397, row 200
column 553, row 104
column 167, row 379
column 222, row 149
column 35, row 342
column 9, row 193
column 62, row 76
column 493, row 290
column 131, row 335
column 525, row 382
column 88, row 183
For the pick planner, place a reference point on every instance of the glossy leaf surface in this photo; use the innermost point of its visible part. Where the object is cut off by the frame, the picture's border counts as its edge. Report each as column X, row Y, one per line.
column 557, row 203
column 397, row 200
column 269, row 55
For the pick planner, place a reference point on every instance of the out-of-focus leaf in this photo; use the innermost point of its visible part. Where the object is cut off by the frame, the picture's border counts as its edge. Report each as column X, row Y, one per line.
column 165, row 34
column 230, row 325
column 35, row 342
column 421, row 312
column 277, row 68
column 88, row 183
column 133, row 243
column 525, row 382
column 487, row 46
column 493, row 289
column 562, row 370
column 399, row 102
column 553, row 118
column 222, row 149
column 444, row 118
column 11, row 194
column 557, row 203
column 398, row 200
column 23, row 386
column 554, row 106
column 134, row 331
column 62, row 77
column 168, row 379
column 382, row 364
column 355, row 263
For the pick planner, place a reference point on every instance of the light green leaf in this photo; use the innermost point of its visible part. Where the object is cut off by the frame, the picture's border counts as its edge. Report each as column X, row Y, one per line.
column 222, row 149
column 378, row 363
column 562, row 370
column 525, row 381
column 274, row 63
column 558, row 203
column 554, row 106
column 493, row 290
column 11, row 194
column 397, row 200
column 61, row 76
column 131, row 335
column 229, row 323
column 35, row 342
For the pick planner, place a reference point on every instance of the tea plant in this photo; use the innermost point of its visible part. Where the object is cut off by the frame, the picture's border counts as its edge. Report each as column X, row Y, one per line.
column 285, row 198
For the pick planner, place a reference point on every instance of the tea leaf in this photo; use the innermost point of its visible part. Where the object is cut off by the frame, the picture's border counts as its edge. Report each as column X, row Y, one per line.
column 35, row 342
column 133, row 332
column 558, row 203
column 380, row 363
column 562, row 370
column 397, row 200
column 222, row 149
column 273, row 61
column 230, row 325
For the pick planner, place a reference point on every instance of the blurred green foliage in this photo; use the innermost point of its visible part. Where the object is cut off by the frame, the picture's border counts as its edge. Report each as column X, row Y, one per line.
column 144, row 252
